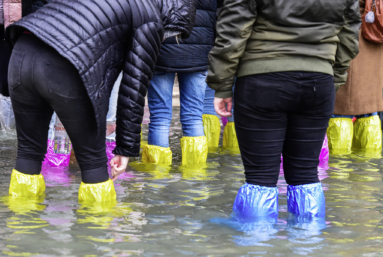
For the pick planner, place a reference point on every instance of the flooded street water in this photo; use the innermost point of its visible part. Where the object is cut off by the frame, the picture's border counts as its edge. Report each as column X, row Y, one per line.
column 168, row 211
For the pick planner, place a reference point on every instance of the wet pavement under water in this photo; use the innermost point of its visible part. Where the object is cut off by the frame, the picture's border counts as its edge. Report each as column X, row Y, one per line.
column 167, row 211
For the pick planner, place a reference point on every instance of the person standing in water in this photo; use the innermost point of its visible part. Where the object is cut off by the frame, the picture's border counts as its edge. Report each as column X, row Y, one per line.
column 66, row 57
column 288, row 59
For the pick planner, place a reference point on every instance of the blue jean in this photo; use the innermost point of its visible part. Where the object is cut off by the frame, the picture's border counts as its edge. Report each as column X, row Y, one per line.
column 352, row 116
column 160, row 95
column 208, row 104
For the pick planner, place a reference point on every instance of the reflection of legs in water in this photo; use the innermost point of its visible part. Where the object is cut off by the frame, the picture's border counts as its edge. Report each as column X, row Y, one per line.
column 58, row 87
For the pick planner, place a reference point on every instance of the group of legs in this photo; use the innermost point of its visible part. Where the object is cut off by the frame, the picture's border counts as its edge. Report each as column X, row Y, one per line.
column 270, row 120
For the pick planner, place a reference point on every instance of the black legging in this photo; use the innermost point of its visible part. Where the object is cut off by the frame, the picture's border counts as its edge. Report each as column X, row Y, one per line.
column 282, row 113
column 42, row 81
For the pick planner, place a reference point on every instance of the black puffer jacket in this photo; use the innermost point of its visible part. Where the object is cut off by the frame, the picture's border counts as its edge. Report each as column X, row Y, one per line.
column 30, row 6
column 101, row 38
column 190, row 55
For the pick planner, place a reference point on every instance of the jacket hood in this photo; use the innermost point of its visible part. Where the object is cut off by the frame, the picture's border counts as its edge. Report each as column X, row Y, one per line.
column 177, row 16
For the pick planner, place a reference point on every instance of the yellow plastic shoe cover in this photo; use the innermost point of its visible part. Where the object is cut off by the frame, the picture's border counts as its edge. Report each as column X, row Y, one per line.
column 230, row 136
column 157, row 154
column 367, row 133
column 212, row 129
column 100, row 192
column 340, row 133
column 194, row 150
column 24, row 185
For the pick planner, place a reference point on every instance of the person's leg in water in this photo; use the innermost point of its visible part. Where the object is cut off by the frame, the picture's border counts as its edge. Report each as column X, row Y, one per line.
column 340, row 133
column 160, row 98
column 192, row 92
column 210, row 118
column 58, row 85
column 229, row 134
column 367, row 133
column 261, row 126
column 304, row 138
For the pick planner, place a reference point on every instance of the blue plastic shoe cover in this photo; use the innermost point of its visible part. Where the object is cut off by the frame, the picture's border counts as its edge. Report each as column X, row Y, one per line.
column 306, row 199
column 256, row 203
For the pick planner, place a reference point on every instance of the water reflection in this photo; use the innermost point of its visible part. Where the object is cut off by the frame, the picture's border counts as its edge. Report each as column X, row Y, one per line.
column 166, row 210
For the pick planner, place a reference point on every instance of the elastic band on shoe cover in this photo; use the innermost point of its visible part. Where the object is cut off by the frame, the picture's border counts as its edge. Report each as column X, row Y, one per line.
column 306, row 199
column 256, row 203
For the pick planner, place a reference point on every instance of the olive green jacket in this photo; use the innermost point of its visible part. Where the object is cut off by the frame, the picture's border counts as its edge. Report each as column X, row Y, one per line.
column 262, row 36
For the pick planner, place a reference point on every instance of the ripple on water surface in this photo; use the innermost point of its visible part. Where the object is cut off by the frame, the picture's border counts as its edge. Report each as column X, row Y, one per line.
column 170, row 211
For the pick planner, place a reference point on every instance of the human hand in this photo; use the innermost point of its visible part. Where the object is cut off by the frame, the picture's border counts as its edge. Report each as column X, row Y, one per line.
column 118, row 164
column 223, row 106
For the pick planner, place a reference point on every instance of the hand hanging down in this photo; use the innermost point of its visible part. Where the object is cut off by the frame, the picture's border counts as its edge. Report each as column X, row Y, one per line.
column 222, row 105
column 118, row 164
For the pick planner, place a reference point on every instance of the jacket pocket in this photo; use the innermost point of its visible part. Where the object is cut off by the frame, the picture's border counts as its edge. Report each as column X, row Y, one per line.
column 64, row 82
column 14, row 73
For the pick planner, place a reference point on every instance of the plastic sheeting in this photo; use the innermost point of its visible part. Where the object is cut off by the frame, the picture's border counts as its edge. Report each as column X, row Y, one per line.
column 325, row 152
column 7, row 117
column 100, row 192
column 24, row 185
column 110, row 145
column 254, row 203
column 340, row 132
column 59, row 145
column 306, row 200
column 194, row 150
column 367, row 133
column 230, row 136
column 212, row 129
column 157, row 154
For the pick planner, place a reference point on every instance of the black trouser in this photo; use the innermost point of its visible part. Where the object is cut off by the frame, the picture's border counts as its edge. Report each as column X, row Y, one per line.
column 42, row 81
column 282, row 113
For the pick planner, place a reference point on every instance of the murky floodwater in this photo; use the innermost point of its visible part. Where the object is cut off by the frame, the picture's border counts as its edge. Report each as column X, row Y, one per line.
column 166, row 211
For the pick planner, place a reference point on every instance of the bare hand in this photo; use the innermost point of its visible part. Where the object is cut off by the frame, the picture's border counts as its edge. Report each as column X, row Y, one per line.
column 223, row 106
column 118, row 164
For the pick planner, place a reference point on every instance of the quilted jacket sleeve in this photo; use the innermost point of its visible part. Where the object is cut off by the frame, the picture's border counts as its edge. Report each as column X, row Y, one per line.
column 137, row 73
column 348, row 47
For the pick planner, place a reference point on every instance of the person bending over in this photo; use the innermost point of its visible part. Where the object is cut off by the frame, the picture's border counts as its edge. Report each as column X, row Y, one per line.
column 66, row 57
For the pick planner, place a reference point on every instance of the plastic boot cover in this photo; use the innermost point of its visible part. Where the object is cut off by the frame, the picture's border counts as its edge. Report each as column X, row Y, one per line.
column 324, row 154
column 367, row 133
column 340, row 132
column 230, row 136
column 100, row 192
column 157, row 154
column 212, row 129
column 24, row 185
column 256, row 202
column 307, row 200
column 55, row 159
column 194, row 150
